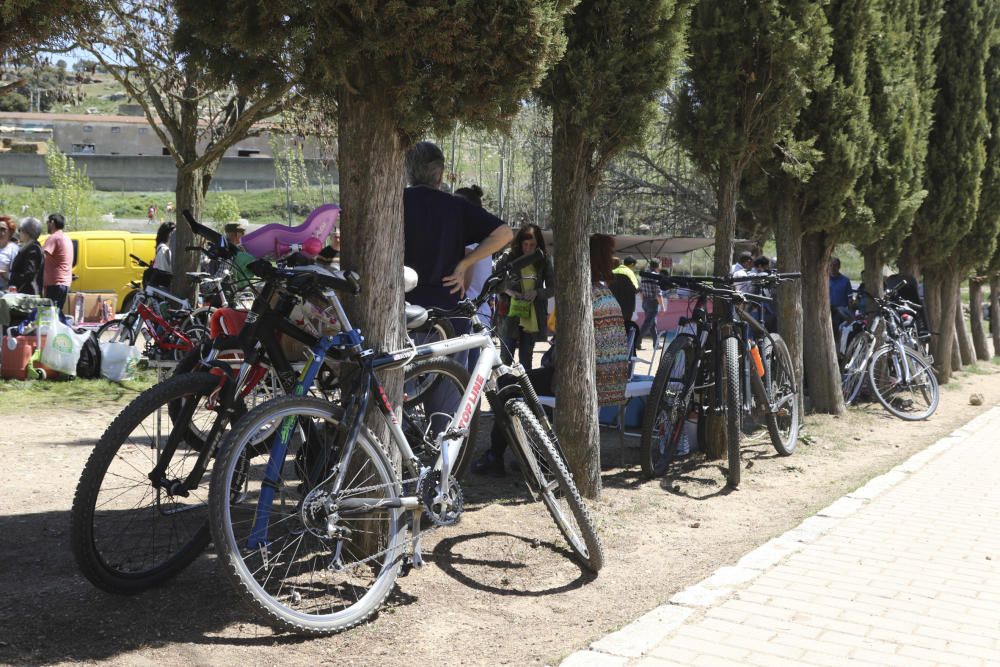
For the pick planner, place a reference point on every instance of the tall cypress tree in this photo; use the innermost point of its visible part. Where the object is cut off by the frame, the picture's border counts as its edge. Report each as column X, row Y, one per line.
column 620, row 57
column 395, row 69
column 901, row 90
column 817, row 201
column 955, row 160
column 750, row 69
column 988, row 216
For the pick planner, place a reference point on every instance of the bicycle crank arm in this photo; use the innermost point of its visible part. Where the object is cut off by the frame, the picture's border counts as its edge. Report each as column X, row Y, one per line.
column 352, row 506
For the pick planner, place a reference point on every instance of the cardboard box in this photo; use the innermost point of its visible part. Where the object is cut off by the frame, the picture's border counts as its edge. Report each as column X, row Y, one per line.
column 92, row 307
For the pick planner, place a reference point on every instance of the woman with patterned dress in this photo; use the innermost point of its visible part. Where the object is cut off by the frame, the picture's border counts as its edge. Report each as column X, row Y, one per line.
column 611, row 357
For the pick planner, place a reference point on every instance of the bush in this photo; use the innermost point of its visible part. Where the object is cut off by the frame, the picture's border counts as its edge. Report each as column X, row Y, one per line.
column 224, row 209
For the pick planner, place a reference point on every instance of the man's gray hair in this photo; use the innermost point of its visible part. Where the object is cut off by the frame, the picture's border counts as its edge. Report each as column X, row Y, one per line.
column 424, row 164
column 32, row 227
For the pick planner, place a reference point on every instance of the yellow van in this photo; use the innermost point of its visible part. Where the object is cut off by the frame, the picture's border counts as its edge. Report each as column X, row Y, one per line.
column 101, row 261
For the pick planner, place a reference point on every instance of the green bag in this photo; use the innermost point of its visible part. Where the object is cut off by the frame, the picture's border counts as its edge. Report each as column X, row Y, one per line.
column 519, row 308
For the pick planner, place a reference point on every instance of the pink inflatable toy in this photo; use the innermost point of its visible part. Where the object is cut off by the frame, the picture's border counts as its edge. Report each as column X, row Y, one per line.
column 276, row 240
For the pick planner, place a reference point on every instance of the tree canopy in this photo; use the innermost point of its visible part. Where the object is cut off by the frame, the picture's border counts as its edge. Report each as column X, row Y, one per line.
column 27, row 26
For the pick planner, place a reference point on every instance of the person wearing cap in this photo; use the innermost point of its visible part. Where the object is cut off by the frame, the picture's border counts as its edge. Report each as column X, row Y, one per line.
column 234, row 232
column 437, row 227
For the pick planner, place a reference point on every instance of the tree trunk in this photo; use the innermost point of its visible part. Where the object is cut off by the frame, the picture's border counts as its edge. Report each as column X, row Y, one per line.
column 191, row 188
column 576, row 419
column 907, row 262
column 371, row 195
column 788, row 239
column 725, row 232
column 976, row 319
column 873, row 270
column 995, row 311
column 725, row 225
column 820, row 363
column 968, row 355
column 956, row 353
column 939, row 291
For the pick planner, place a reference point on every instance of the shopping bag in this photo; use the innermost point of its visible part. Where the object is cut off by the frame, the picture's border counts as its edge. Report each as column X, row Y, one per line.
column 118, row 361
column 60, row 346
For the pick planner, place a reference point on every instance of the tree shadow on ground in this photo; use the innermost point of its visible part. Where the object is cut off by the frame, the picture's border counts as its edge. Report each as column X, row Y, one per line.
column 43, row 591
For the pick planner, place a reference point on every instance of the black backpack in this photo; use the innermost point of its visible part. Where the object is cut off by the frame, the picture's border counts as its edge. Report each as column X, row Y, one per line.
column 89, row 365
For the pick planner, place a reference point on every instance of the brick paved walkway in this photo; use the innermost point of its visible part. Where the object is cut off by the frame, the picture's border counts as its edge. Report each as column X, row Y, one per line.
column 903, row 571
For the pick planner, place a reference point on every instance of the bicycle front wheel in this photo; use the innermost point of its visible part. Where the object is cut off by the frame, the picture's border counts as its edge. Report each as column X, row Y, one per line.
column 734, row 408
column 546, row 471
column 779, row 383
column 903, row 382
column 310, row 558
column 667, row 409
column 128, row 534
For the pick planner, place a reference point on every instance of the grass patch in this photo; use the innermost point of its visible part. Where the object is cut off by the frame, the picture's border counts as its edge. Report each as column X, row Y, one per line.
column 82, row 394
column 975, row 369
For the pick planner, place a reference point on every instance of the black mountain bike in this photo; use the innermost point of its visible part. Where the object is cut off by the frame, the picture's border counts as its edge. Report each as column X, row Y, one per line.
column 726, row 364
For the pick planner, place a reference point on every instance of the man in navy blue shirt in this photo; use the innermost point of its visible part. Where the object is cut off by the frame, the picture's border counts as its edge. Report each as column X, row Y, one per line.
column 840, row 291
column 438, row 227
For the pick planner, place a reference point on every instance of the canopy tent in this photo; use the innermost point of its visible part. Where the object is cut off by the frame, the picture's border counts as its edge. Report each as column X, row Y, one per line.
column 654, row 246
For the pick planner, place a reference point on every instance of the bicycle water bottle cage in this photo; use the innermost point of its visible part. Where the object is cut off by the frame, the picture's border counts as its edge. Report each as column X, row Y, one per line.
column 274, row 241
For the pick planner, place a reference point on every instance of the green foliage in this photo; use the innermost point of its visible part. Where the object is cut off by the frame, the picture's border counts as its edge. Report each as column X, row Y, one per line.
column 13, row 101
column 292, row 172
column 957, row 152
column 902, row 94
column 988, row 215
column 750, row 70
column 431, row 62
column 620, row 57
column 837, row 125
column 29, row 25
column 224, row 209
column 72, row 193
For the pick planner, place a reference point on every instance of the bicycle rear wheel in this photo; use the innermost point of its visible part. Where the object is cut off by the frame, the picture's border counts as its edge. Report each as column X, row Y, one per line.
column 734, row 408
column 126, row 534
column 547, row 473
column 779, row 383
column 432, row 390
column 305, row 559
column 119, row 330
column 903, row 382
column 665, row 415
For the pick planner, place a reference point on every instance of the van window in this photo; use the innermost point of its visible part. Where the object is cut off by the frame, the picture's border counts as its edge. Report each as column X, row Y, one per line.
column 105, row 253
column 76, row 250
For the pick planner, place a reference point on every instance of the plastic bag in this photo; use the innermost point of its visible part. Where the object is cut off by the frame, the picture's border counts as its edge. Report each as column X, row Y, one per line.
column 60, row 346
column 118, row 361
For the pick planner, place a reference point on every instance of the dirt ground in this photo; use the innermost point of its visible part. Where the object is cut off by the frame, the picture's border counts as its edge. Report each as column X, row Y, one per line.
column 499, row 588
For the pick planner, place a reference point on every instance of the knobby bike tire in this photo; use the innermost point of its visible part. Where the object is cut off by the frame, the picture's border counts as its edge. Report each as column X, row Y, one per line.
column 921, row 394
column 779, row 383
column 449, row 383
column 549, row 471
column 663, row 420
column 734, row 408
column 853, row 376
column 289, row 570
column 126, row 536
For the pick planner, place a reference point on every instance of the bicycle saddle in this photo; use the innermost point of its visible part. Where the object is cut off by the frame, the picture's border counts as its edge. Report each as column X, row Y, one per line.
column 415, row 315
column 276, row 240
column 198, row 276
